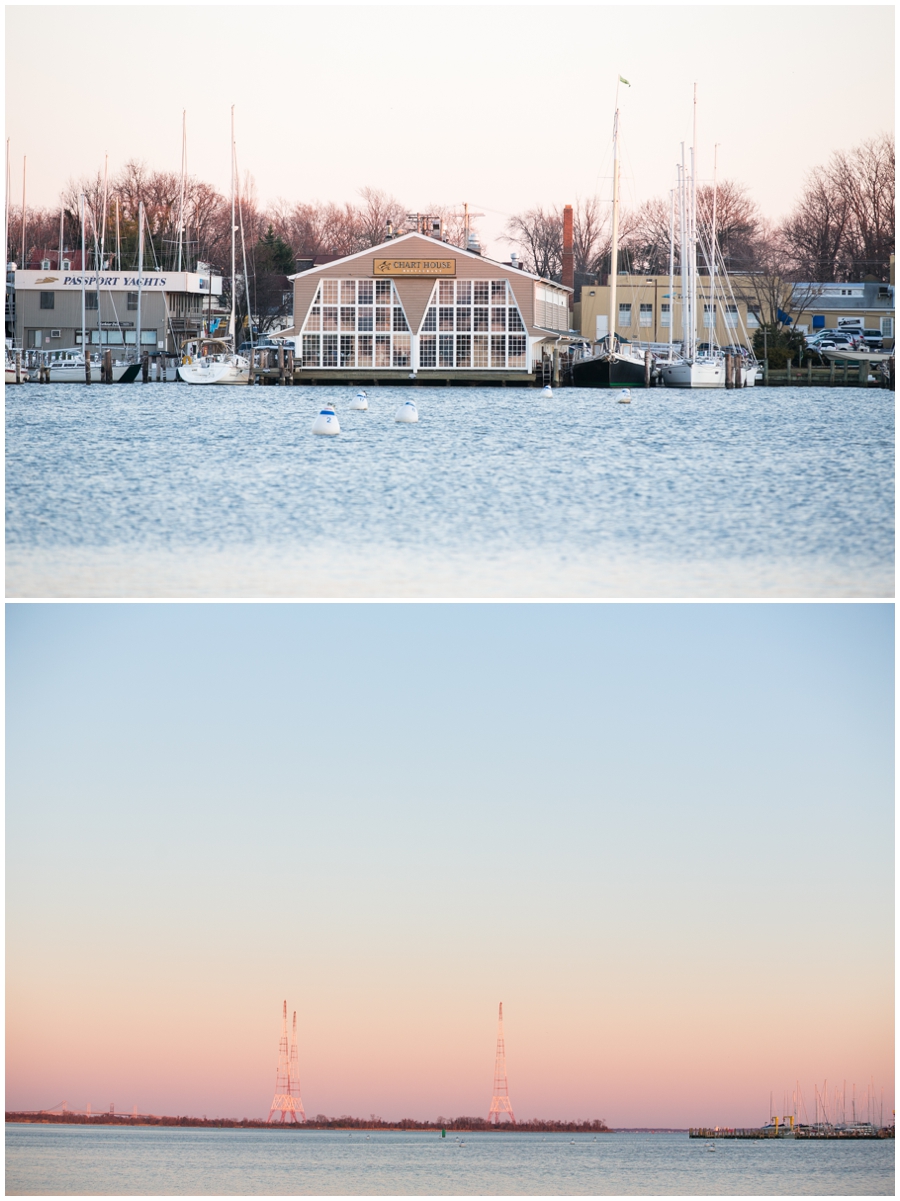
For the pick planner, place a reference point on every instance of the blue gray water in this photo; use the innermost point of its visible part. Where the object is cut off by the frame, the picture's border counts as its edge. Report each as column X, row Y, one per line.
column 130, row 1161
column 166, row 490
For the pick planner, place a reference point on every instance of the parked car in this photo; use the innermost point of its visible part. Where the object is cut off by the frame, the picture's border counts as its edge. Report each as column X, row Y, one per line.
column 828, row 335
column 260, row 344
column 874, row 339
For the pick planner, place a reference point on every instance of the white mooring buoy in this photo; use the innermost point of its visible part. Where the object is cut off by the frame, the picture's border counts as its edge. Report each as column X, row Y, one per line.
column 624, row 397
column 326, row 422
column 407, row 412
column 546, row 390
column 360, row 400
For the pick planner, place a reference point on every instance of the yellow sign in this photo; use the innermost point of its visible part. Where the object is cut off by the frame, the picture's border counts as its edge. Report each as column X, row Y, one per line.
column 414, row 267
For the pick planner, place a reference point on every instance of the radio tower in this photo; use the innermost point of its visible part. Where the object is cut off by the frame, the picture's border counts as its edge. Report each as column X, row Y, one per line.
column 287, row 1080
column 500, row 1102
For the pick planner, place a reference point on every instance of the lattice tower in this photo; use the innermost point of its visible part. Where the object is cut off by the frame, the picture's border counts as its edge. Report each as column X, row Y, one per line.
column 500, row 1102
column 287, row 1085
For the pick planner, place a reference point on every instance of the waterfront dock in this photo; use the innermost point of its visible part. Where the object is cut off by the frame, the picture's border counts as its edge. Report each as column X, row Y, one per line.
column 785, row 1131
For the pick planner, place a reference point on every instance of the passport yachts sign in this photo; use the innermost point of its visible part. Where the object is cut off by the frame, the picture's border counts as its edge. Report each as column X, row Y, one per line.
column 414, row 267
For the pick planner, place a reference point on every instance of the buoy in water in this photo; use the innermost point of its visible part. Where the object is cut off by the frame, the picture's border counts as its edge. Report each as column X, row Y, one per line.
column 326, row 422
column 407, row 412
column 624, row 397
column 546, row 390
column 360, row 400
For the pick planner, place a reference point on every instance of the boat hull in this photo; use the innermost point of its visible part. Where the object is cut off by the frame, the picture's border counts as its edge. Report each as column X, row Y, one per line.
column 608, row 372
column 123, row 373
column 709, row 374
column 215, row 373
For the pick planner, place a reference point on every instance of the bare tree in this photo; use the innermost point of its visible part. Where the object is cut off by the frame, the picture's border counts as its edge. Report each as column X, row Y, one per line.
column 843, row 224
column 538, row 233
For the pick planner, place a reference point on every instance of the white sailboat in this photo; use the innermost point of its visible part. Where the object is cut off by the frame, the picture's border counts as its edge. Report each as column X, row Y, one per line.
column 218, row 362
column 696, row 368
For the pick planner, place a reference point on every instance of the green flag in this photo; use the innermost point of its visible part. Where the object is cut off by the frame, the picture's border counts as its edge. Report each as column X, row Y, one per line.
column 622, row 79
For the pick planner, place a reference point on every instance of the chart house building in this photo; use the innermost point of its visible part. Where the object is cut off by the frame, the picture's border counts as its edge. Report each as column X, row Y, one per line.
column 417, row 307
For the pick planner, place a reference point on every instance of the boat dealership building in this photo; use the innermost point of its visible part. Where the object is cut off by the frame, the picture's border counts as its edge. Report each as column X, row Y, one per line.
column 155, row 310
column 419, row 307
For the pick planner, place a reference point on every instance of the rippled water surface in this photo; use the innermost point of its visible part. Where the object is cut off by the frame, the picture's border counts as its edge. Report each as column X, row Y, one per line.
column 131, row 1161
column 163, row 489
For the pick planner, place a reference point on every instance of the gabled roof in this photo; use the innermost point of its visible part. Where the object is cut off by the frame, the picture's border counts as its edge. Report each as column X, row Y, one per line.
column 456, row 250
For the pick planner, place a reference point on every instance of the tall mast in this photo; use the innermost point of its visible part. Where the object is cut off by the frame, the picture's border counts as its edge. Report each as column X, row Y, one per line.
column 712, row 240
column 102, row 262
column 694, row 233
column 137, row 336
column 83, row 302
column 231, row 318
column 243, row 254
column 6, row 213
column 181, row 199
column 671, row 267
column 683, row 247
column 62, row 248
column 614, row 251
column 118, row 240
column 24, row 164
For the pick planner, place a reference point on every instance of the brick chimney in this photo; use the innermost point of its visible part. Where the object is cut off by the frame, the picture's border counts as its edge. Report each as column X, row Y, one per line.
column 568, row 257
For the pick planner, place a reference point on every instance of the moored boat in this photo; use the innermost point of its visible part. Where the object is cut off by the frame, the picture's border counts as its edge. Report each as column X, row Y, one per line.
column 215, row 363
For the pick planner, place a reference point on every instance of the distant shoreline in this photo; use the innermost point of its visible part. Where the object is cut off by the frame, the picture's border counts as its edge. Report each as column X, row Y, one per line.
column 463, row 1124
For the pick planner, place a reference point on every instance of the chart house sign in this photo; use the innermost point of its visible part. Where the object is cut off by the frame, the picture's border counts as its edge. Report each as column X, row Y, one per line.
column 414, row 267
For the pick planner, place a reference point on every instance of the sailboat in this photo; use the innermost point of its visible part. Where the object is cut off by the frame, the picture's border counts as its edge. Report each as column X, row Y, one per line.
column 615, row 363
column 218, row 362
column 696, row 368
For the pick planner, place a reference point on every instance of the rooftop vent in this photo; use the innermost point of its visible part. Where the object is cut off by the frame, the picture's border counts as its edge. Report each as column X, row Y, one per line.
column 473, row 245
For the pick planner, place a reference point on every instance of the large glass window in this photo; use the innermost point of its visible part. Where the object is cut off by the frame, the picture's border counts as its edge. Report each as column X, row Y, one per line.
column 624, row 314
column 48, row 300
column 479, row 312
column 355, row 310
column 731, row 316
column 646, row 317
column 665, row 314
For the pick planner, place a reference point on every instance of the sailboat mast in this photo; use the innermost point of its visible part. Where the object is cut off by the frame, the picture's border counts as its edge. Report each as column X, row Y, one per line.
column 62, row 248
column 671, row 267
column 614, row 250
column 683, row 241
column 83, row 301
column 693, row 263
column 137, row 339
column 118, row 240
column 713, row 248
column 105, row 206
column 24, row 165
column 181, row 198
column 231, row 318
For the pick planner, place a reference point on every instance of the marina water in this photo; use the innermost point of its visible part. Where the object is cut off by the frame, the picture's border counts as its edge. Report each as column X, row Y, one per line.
column 168, row 490
column 130, row 1161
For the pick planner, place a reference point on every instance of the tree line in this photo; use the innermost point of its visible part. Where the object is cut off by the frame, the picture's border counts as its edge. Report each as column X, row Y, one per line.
column 319, row 1122
column 840, row 229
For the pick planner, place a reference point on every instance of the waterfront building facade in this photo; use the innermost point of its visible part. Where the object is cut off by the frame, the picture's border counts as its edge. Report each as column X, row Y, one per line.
column 417, row 306
column 648, row 309
column 174, row 306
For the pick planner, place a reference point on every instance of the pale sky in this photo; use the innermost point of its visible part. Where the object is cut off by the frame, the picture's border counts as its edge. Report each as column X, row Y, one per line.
column 501, row 106
column 662, row 835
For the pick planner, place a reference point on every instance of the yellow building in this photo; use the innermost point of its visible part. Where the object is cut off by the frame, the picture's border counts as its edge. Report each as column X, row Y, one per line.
column 646, row 307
